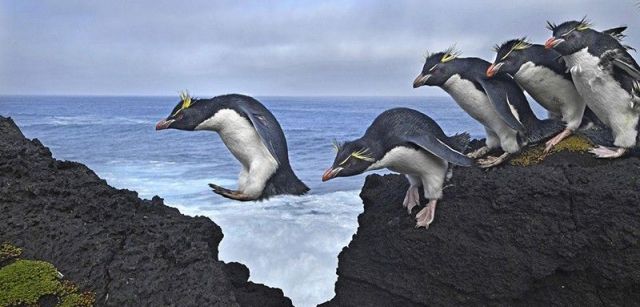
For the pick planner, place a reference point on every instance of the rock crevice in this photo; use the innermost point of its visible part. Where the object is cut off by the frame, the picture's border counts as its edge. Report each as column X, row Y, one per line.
column 565, row 231
column 125, row 249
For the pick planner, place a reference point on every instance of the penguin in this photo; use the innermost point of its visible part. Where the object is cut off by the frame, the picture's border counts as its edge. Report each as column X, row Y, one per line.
column 408, row 142
column 541, row 73
column 251, row 133
column 497, row 103
column 607, row 78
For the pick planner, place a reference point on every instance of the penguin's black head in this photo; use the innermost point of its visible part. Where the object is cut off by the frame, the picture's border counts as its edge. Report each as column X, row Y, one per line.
column 185, row 116
column 437, row 69
column 510, row 56
column 569, row 37
column 352, row 158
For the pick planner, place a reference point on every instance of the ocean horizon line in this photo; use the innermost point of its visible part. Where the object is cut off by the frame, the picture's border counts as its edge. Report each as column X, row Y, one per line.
column 206, row 95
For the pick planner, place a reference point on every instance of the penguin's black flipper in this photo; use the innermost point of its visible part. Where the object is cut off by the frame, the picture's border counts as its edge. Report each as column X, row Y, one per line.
column 623, row 68
column 616, row 32
column 628, row 68
column 269, row 131
column 439, row 148
column 506, row 100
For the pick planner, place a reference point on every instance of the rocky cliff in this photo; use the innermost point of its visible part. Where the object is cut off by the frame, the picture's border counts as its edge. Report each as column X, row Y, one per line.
column 124, row 249
column 562, row 232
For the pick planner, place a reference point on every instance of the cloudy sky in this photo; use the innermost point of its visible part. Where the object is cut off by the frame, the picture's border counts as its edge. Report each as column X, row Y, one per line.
column 153, row 47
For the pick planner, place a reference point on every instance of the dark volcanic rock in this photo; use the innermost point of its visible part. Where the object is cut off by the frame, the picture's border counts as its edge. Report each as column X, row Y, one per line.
column 564, row 232
column 127, row 250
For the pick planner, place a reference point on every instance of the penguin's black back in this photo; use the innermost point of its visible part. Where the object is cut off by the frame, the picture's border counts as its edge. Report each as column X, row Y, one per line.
column 391, row 126
column 284, row 180
column 548, row 58
column 241, row 104
column 472, row 69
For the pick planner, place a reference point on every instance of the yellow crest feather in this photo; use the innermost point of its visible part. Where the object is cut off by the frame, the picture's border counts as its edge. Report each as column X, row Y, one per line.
column 186, row 99
column 363, row 154
column 450, row 54
column 521, row 45
column 583, row 25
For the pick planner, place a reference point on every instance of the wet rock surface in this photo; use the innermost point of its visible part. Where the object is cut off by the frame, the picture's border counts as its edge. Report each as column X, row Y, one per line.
column 125, row 249
column 562, row 232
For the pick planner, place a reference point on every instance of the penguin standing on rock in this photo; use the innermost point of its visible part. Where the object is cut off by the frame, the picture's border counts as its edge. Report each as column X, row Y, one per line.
column 408, row 142
column 497, row 103
column 251, row 133
column 539, row 71
column 606, row 77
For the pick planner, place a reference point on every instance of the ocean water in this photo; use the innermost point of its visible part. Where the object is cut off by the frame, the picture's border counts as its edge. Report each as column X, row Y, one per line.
column 287, row 242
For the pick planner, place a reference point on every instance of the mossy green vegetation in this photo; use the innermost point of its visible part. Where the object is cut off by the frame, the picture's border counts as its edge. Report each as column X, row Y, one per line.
column 535, row 155
column 24, row 282
column 9, row 252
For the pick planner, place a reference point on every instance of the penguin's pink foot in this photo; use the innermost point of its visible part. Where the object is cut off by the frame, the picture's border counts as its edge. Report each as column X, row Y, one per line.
column 411, row 199
column 603, row 152
column 224, row 192
column 480, row 152
column 557, row 139
column 492, row 161
column 426, row 215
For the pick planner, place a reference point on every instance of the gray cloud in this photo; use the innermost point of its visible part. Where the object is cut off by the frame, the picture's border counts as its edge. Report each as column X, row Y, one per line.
column 261, row 48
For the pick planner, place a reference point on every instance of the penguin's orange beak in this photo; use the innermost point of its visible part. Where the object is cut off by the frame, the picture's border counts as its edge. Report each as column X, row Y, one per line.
column 164, row 124
column 493, row 69
column 552, row 42
column 421, row 80
column 331, row 173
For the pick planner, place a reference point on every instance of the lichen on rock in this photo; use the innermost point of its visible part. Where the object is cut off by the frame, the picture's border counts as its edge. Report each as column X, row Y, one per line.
column 25, row 282
column 535, row 155
column 9, row 252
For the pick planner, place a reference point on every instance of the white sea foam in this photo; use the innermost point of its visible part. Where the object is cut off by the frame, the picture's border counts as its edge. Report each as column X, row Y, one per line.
column 287, row 242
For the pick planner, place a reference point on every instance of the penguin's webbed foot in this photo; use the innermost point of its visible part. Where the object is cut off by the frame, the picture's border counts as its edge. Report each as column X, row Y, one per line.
column 412, row 198
column 603, row 152
column 480, row 152
column 492, row 161
column 231, row 194
column 557, row 139
column 425, row 217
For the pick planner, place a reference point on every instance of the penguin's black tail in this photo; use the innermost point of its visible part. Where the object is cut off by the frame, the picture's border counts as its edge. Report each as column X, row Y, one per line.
column 542, row 130
column 284, row 181
column 589, row 118
column 598, row 135
column 460, row 141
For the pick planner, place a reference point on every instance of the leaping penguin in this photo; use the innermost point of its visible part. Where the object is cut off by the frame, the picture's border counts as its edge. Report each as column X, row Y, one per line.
column 408, row 142
column 497, row 103
column 607, row 78
column 251, row 133
column 539, row 71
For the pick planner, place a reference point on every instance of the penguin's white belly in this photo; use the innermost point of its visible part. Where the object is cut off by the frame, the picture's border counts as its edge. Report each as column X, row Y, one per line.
column 604, row 95
column 241, row 138
column 410, row 161
column 476, row 103
column 555, row 93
